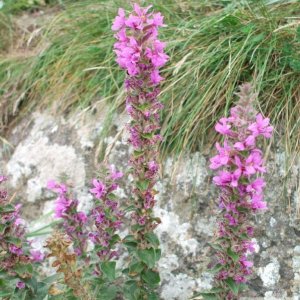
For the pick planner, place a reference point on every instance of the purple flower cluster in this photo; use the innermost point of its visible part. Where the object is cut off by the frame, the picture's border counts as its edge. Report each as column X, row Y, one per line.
column 74, row 220
column 106, row 216
column 141, row 54
column 12, row 237
column 240, row 164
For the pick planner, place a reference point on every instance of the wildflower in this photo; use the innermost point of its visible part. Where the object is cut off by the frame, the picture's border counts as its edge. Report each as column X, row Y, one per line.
column 20, row 285
column 240, row 163
column 36, row 255
column 106, row 216
column 73, row 220
column 261, row 127
column 99, row 188
column 120, row 20
column 13, row 243
column 141, row 54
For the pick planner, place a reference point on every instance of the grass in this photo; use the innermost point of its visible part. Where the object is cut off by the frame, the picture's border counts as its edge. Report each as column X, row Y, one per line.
column 213, row 45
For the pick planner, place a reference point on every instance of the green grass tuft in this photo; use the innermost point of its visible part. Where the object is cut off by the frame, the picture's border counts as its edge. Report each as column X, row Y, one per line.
column 214, row 46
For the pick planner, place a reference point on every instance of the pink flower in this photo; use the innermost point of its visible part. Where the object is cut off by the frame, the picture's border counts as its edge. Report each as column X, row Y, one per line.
column 134, row 22
column 256, row 186
column 114, row 174
column 119, row 21
column 157, row 20
column 227, row 178
column 232, row 221
column 254, row 163
column 20, row 285
column 239, row 279
column 61, row 206
column 153, row 166
column 99, row 189
column 141, row 11
column 261, row 127
column 241, row 189
column 222, row 158
column 36, row 255
column 15, row 250
column 157, row 55
column 246, row 263
column 222, row 127
column 257, row 203
column 3, row 178
column 249, row 246
column 155, row 77
column 81, row 217
column 56, row 187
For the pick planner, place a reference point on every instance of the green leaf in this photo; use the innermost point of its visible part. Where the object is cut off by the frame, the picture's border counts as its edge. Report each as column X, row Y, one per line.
column 129, row 208
column 138, row 153
column 157, row 254
column 136, row 268
column 216, row 246
column 217, row 268
column 151, row 277
column 152, row 239
column 213, row 290
column 148, row 136
column 108, row 293
column 148, row 256
column 232, row 285
column 142, row 185
column 209, row 297
column 23, row 269
column 112, row 196
column 234, row 256
column 130, row 242
column 153, row 296
column 5, row 294
column 114, row 239
column 131, row 290
column 109, row 269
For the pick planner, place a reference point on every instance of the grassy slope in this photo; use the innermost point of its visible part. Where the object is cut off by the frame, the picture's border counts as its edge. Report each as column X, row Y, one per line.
column 213, row 45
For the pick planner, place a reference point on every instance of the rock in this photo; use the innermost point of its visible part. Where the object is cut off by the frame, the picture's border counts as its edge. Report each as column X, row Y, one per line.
column 270, row 273
column 47, row 147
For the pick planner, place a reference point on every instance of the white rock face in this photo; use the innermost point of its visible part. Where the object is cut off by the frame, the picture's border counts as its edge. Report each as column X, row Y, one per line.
column 38, row 160
column 186, row 203
column 270, row 273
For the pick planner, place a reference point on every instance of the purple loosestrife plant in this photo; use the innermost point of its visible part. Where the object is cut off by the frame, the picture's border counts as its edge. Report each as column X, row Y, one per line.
column 106, row 219
column 16, row 258
column 74, row 221
column 240, row 166
column 141, row 54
